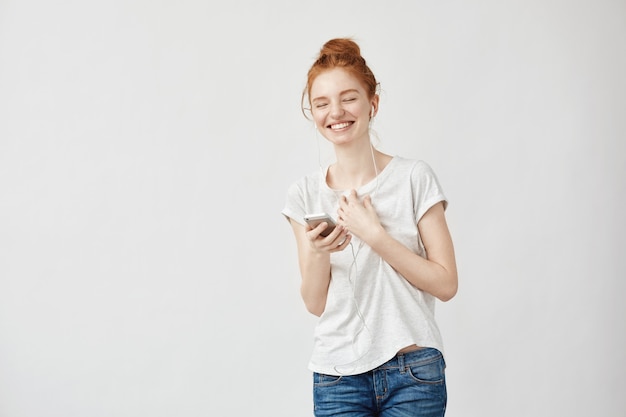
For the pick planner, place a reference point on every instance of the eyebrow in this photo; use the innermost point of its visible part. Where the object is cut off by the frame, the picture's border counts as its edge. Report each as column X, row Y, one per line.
column 351, row 90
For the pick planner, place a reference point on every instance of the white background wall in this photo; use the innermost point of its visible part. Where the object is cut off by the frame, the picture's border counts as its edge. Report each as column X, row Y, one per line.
column 145, row 151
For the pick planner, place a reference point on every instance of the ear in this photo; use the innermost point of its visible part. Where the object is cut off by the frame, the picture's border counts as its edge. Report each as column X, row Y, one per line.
column 374, row 103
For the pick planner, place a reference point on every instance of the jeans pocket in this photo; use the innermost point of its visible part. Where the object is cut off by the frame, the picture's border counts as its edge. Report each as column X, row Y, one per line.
column 428, row 372
column 323, row 380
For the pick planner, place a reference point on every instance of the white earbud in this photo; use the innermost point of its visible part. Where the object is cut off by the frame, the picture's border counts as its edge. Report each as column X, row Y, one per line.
column 372, row 114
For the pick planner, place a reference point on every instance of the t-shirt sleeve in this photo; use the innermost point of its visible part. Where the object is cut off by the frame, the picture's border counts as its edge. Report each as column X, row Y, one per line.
column 427, row 190
column 294, row 204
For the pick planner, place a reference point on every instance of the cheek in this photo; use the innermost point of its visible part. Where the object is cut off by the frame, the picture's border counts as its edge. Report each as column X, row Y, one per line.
column 318, row 119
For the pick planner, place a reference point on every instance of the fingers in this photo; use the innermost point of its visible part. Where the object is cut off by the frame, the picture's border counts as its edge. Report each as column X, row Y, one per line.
column 335, row 241
column 342, row 245
column 350, row 204
column 367, row 201
column 349, row 199
column 352, row 197
column 345, row 202
column 313, row 233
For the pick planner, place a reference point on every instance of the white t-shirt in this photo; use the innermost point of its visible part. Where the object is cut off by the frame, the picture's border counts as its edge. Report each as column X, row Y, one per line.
column 371, row 310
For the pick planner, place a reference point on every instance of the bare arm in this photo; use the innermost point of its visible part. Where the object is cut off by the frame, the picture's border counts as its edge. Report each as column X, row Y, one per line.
column 314, row 260
column 436, row 275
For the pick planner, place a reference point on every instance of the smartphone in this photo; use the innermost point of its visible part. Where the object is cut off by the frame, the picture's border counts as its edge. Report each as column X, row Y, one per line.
column 314, row 219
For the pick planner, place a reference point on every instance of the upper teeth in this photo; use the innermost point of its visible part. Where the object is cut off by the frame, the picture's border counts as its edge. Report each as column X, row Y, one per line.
column 340, row 125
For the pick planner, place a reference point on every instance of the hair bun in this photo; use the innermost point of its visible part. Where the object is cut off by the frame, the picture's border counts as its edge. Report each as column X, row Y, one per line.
column 342, row 47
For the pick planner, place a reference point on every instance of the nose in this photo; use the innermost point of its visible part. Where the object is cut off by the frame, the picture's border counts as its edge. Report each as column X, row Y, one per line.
column 336, row 110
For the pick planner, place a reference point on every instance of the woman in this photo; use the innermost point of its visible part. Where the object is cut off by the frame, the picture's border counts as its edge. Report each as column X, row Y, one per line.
column 373, row 281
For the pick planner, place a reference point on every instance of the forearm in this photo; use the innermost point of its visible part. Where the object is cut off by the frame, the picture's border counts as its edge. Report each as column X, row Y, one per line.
column 315, row 272
column 438, row 279
column 314, row 260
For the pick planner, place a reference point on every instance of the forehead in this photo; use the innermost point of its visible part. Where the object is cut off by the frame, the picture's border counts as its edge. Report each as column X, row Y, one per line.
column 334, row 81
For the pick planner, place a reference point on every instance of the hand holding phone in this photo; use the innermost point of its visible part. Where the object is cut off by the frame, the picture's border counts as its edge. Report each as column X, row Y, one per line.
column 315, row 219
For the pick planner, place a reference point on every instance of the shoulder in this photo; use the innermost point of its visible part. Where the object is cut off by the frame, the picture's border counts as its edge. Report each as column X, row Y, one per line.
column 305, row 184
column 299, row 196
column 413, row 167
column 306, row 180
column 419, row 174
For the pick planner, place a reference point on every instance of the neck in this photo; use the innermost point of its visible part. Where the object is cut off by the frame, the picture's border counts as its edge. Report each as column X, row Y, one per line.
column 355, row 166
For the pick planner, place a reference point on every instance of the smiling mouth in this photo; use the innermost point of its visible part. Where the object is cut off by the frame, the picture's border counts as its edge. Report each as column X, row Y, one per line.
column 339, row 126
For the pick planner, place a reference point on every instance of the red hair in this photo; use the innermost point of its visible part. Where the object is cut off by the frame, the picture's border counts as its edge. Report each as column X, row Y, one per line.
column 341, row 53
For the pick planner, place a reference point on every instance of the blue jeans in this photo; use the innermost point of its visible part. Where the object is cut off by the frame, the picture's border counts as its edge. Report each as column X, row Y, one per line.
column 409, row 385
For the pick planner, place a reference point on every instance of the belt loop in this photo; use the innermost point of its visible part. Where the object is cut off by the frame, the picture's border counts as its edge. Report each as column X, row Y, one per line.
column 401, row 363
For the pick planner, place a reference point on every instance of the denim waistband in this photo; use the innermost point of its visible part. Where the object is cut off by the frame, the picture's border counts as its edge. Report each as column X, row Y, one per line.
column 420, row 356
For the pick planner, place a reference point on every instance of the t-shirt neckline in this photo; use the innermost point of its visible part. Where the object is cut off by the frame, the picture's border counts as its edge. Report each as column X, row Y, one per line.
column 363, row 189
